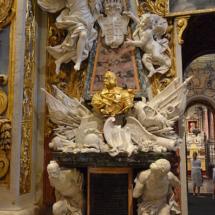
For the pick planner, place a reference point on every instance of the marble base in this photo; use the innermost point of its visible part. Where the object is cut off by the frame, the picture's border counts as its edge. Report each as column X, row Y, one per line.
column 33, row 210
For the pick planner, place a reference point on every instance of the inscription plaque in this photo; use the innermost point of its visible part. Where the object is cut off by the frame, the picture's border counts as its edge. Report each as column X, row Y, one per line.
column 110, row 191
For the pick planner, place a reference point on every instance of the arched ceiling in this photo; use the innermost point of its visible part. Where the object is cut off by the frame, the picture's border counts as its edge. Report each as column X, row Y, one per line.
column 199, row 38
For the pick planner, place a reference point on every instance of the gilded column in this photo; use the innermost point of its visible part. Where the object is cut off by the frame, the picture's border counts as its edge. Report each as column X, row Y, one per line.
column 28, row 98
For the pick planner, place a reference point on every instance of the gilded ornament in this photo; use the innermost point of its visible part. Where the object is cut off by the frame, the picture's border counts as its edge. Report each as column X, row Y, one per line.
column 6, row 13
column 181, row 26
column 4, row 164
column 112, row 100
column 3, row 96
column 157, row 7
column 28, row 98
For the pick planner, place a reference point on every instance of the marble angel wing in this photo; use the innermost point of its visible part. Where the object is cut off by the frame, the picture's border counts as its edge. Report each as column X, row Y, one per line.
column 160, row 26
column 171, row 102
column 52, row 6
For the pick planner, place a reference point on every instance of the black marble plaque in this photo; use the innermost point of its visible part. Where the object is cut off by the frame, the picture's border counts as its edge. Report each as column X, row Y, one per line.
column 108, row 194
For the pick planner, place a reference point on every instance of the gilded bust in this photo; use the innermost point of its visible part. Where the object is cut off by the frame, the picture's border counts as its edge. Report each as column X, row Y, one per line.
column 112, row 99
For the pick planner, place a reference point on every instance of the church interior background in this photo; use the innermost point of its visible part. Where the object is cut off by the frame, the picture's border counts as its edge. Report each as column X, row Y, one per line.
column 30, row 119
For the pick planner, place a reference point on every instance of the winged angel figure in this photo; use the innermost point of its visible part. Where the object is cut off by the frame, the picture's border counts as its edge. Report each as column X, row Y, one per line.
column 149, row 125
column 78, row 18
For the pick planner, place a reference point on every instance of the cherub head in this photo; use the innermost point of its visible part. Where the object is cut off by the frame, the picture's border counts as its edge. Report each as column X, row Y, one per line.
column 161, row 167
column 110, row 80
column 147, row 21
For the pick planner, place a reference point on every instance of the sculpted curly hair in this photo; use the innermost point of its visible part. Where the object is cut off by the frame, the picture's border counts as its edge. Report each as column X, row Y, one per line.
column 164, row 166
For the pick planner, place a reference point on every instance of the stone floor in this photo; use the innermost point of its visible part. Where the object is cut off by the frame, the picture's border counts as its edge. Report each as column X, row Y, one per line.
column 207, row 186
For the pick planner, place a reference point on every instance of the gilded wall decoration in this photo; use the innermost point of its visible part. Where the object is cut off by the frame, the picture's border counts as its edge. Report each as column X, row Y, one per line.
column 5, row 127
column 154, row 7
column 7, row 16
column 203, row 81
column 181, row 26
column 28, row 98
column 158, row 81
column 7, row 12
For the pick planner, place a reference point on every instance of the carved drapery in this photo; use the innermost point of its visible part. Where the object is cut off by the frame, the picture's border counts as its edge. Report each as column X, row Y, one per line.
column 158, row 81
column 28, row 98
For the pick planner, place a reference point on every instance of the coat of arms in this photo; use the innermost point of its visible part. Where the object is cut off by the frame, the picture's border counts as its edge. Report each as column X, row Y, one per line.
column 114, row 25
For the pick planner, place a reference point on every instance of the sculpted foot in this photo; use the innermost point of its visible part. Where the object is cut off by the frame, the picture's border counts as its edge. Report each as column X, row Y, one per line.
column 77, row 66
column 57, row 67
column 151, row 74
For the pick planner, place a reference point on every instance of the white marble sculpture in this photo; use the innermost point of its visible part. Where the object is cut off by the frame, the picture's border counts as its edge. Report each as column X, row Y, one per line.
column 78, row 19
column 68, row 186
column 154, row 190
column 148, row 37
column 114, row 25
column 149, row 126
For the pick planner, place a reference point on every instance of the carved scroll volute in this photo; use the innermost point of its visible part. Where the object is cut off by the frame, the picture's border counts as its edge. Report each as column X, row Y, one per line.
column 3, row 96
column 6, row 13
column 181, row 26
column 157, row 7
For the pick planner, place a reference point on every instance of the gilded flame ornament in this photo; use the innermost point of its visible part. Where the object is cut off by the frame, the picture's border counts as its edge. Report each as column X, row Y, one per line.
column 112, row 100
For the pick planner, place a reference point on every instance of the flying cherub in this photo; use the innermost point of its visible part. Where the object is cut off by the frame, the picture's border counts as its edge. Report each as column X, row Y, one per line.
column 147, row 36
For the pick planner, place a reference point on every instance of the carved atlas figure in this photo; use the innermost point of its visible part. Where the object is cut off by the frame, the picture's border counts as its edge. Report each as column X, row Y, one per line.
column 147, row 36
column 149, row 125
column 78, row 19
column 68, row 184
column 154, row 190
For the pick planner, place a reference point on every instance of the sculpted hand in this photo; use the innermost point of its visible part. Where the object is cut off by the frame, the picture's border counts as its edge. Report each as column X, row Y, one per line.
column 129, row 14
column 129, row 42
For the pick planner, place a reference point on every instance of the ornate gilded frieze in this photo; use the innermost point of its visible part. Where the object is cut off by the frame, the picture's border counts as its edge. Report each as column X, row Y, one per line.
column 182, row 23
column 28, row 98
column 7, row 12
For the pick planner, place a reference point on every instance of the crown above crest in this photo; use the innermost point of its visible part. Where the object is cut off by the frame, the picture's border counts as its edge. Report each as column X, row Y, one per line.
column 116, row 2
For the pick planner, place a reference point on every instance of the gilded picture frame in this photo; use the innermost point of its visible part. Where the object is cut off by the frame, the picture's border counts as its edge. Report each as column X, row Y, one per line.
column 183, row 7
column 191, row 124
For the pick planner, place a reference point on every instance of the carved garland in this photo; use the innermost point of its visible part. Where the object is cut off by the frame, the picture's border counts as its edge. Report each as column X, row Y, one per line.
column 28, row 98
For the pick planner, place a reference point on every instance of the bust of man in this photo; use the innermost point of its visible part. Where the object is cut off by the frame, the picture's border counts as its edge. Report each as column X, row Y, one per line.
column 68, row 190
column 112, row 99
